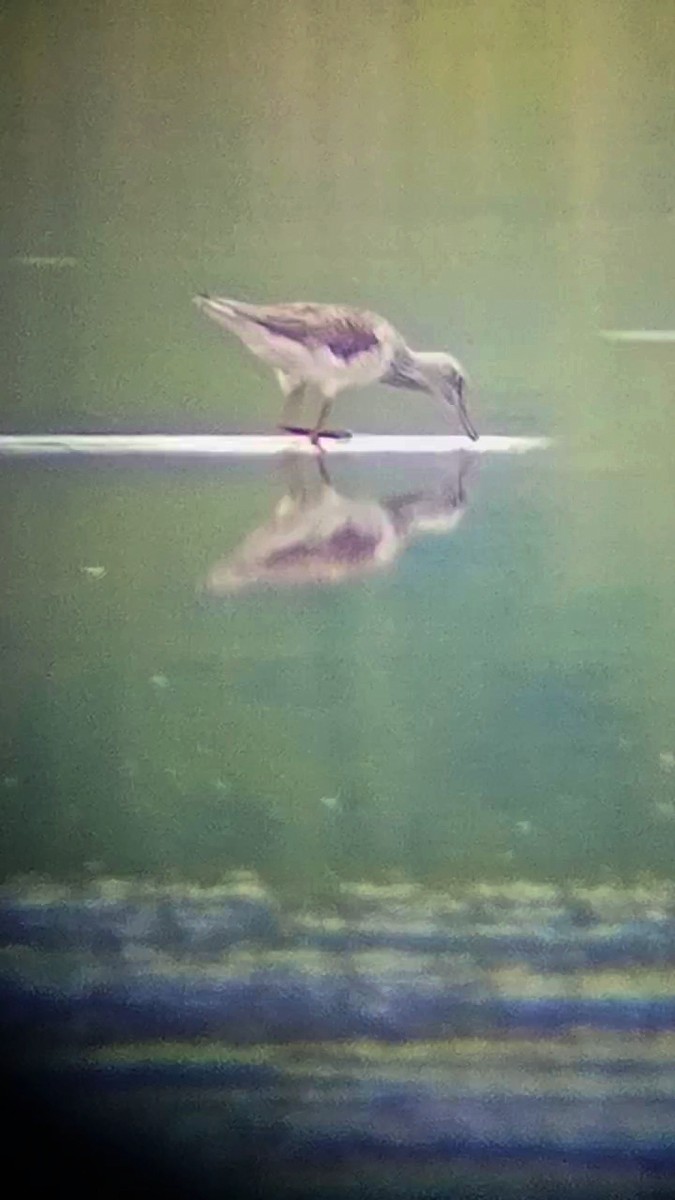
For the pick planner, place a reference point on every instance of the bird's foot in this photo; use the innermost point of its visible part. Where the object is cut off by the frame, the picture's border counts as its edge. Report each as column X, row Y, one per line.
column 300, row 430
column 315, row 435
column 337, row 435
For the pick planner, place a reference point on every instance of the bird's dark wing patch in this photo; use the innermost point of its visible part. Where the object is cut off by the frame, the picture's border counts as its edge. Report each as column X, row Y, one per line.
column 345, row 335
column 347, row 339
column 347, row 544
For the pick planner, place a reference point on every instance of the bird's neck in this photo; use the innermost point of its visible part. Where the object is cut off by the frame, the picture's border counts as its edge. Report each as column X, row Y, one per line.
column 408, row 370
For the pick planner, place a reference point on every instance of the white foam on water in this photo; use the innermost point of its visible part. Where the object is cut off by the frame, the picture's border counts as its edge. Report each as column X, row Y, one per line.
column 638, row 335
column 255, row 446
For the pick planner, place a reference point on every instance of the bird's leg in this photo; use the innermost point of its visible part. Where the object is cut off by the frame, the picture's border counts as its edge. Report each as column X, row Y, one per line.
column 304, row 486
column 323, row 471
column 319, row 432
column 323, row 413
column 290, row 413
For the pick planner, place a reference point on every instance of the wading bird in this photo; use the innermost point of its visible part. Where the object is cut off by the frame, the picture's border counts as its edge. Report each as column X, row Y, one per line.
column 318, row 535
column 325, row 348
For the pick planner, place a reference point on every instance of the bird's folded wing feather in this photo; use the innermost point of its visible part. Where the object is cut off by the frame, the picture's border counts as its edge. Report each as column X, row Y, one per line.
column 345, row 333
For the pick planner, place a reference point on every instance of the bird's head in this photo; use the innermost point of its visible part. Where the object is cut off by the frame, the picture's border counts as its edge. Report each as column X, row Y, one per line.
column 444, row 376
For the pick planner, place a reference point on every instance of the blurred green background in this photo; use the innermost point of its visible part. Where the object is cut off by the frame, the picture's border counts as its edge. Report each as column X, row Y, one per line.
column 497, row 178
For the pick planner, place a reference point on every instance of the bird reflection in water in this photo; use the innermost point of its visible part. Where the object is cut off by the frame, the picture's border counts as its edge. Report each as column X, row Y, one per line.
column 317, row 535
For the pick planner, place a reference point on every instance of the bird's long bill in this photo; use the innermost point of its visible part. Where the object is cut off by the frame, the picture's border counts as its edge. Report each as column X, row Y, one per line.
column 469, row 427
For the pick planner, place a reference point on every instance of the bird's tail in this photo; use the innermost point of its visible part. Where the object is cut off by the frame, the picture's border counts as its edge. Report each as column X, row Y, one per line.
column 243, row 320
column 229, row 314
column 219, row 306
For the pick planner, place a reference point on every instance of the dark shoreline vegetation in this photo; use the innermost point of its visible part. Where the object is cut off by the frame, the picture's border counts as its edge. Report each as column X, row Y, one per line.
column 395, row 1029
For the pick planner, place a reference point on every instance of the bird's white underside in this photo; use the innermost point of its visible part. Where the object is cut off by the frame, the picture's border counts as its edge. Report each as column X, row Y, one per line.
column 325, row 371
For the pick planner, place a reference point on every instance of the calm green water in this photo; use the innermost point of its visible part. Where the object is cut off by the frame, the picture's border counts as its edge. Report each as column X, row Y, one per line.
column 496, row 178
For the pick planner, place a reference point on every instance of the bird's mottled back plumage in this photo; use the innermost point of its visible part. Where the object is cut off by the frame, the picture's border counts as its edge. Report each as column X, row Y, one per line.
column 342, row 330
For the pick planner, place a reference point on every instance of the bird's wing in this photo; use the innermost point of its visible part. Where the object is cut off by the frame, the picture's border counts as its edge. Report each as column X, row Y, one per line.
column 344, row 331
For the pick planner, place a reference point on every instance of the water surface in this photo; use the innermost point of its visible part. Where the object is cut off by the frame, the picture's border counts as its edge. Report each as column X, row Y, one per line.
column 496, row 179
